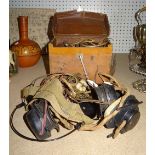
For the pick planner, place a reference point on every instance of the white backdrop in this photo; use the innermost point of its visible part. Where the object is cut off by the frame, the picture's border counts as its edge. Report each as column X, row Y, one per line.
column 120, row 13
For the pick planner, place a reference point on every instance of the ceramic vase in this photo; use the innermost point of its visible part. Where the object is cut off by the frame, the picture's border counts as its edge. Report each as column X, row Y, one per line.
column 28, row 51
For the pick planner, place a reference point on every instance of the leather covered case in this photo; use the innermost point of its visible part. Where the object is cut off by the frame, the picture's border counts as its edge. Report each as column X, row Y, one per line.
column 73, row 26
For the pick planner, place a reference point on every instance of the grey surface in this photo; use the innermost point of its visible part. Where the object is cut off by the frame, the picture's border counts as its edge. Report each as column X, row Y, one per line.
column 80, row 142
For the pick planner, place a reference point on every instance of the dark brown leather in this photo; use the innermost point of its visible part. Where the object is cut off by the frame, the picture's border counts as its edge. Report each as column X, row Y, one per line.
column 73, row 26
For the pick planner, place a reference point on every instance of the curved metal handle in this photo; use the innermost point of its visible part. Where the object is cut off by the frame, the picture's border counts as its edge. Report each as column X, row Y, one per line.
column 141, row 10
column 137, row 14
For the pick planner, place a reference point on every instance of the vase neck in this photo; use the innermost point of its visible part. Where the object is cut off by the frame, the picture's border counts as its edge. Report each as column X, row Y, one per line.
column 23, row 27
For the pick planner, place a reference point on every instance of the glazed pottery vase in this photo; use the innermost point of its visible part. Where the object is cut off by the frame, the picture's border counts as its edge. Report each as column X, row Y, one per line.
column 28, row 51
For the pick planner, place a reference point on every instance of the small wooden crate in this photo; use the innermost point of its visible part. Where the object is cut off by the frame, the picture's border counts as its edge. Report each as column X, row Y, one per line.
column 66, row 60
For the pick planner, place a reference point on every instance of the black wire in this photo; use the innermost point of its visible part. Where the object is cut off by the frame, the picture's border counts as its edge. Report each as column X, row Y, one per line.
column 33, row 139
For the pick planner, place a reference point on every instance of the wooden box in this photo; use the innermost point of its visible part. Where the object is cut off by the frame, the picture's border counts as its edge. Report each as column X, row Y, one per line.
column 66, row 60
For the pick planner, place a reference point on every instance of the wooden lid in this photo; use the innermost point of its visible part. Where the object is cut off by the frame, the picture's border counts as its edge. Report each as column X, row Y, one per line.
column 80, row 23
